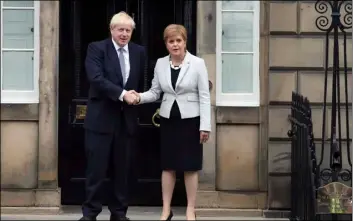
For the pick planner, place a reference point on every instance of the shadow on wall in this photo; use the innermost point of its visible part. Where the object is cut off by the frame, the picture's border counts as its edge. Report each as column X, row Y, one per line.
column 278, row 159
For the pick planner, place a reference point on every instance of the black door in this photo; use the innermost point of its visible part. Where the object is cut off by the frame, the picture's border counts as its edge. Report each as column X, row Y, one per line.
column 82, row 22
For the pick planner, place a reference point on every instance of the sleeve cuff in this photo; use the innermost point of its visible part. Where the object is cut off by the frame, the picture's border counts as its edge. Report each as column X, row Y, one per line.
column 121, row 98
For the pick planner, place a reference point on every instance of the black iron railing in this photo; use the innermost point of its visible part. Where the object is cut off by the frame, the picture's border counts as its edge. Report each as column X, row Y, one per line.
column 335, row 23
column 304, row 180
column 319, row 192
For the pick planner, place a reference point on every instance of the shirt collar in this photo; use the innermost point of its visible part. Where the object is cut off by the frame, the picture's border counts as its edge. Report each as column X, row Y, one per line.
column 116, row 46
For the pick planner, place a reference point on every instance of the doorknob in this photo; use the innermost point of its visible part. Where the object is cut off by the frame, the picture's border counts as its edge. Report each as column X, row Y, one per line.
column 156, row 114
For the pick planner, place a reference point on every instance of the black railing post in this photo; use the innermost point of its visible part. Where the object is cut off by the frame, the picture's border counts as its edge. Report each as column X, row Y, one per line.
column 307, row 176
column 335, row 28
column 303, row 160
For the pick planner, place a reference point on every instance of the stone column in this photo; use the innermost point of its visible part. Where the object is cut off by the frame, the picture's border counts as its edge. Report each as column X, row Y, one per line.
column 206, row 49
column 264, row 94
column 48, row 193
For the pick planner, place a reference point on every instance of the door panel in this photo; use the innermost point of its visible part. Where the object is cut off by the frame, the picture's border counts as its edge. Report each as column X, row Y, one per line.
column 82, row 22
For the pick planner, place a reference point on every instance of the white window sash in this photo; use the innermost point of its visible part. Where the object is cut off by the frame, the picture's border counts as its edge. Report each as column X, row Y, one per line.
column 19, row 97
column 22, row 96
column 238, row 99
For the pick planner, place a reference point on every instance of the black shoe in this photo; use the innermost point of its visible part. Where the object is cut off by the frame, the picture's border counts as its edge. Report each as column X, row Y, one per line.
column 88, row 218
column 170, row 216
column 118, row 218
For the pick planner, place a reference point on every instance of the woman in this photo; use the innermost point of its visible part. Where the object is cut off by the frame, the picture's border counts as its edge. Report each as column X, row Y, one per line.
column 185, row 116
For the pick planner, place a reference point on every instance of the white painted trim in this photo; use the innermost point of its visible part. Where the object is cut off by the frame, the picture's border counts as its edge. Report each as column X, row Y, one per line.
column 19, row 8
column 1, row 43
column 237, row 10
column 36, row 65
column 19, row 97
column 233, row 52
column 238, row 99
column 18, row 49
column 13, row 96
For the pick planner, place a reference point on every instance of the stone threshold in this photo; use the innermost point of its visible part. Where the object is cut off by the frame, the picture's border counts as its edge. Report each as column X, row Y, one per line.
column 31, row 210
column 201, row 212
column 277, row 213
column 224, row 212
column 216, row 212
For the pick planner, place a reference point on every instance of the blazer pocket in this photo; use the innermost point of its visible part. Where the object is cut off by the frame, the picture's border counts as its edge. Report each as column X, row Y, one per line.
column 193, row 98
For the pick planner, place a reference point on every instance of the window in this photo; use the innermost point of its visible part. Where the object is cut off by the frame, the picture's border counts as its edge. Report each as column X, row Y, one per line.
column 237, row 28
column 19, row 21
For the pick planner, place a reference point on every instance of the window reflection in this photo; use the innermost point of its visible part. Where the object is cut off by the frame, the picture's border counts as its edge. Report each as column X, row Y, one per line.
column 237, row 74
column 18, row 28
column 237, row 5
column 237, row 31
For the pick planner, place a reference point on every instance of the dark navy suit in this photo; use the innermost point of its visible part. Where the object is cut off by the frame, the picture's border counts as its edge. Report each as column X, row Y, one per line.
column 110, row 124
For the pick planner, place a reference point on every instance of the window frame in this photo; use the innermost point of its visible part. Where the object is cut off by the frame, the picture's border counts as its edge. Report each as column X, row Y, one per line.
column 22, row 96
column 238, row 99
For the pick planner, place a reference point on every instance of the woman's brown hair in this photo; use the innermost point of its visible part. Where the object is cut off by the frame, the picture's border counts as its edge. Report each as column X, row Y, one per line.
column 173, row 30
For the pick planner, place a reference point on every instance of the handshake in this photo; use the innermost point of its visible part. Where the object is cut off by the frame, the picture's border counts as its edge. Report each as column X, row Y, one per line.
column 132, row 97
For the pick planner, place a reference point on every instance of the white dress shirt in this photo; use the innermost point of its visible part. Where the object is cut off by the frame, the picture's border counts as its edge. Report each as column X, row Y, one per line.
column 127, row 64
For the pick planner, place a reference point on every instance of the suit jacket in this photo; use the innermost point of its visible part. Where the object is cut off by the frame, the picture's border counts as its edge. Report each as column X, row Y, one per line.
column 191, row 90
column 105, row 111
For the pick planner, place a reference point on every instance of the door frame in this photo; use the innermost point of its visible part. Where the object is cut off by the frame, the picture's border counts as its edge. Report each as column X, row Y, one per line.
column 192, row 37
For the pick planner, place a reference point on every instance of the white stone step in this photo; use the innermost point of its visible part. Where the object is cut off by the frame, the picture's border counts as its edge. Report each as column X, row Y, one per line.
column 134, row 213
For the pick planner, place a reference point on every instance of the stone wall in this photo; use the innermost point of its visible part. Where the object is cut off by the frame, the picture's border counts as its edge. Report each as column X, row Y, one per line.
column 235, row 169
column 296, row 63
column 28, row 131
column 238, row 173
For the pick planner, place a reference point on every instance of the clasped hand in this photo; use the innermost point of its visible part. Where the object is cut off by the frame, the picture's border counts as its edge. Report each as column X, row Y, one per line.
column 132, row 97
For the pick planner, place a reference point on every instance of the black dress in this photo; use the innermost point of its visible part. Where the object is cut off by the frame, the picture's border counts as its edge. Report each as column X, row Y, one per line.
column 180, row 139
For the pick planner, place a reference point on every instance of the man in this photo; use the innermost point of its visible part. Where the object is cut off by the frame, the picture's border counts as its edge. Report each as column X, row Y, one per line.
column 114, row 69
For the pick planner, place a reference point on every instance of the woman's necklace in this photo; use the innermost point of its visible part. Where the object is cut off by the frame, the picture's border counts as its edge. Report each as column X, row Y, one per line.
column 174, row 66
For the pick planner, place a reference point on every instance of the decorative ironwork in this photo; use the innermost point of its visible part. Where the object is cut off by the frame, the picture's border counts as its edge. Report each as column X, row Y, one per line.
column 323, row 22
column 304, row 180
column 334, row 198
column 318, row 192
column 335, row 20
column 344, row 175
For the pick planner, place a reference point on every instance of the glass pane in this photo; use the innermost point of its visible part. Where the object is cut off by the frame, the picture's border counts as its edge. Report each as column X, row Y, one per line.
column 17, row 70
column 237, row 73
column 18, row 28
column 237, row 31
column 237, row 5
column 18, row 3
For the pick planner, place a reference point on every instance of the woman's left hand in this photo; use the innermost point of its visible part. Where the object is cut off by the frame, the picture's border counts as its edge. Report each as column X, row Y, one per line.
column 204, row 135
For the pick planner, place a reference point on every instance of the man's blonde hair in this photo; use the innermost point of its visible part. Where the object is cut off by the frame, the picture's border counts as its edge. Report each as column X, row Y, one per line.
column 122, row 18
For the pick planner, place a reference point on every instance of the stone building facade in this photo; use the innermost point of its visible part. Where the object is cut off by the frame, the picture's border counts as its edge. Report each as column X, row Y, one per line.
column 247, row 160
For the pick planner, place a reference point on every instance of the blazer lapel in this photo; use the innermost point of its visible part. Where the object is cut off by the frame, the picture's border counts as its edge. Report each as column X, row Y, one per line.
column 133, row 63
column 183, row 69
column 113, row 56
column 168, row 75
